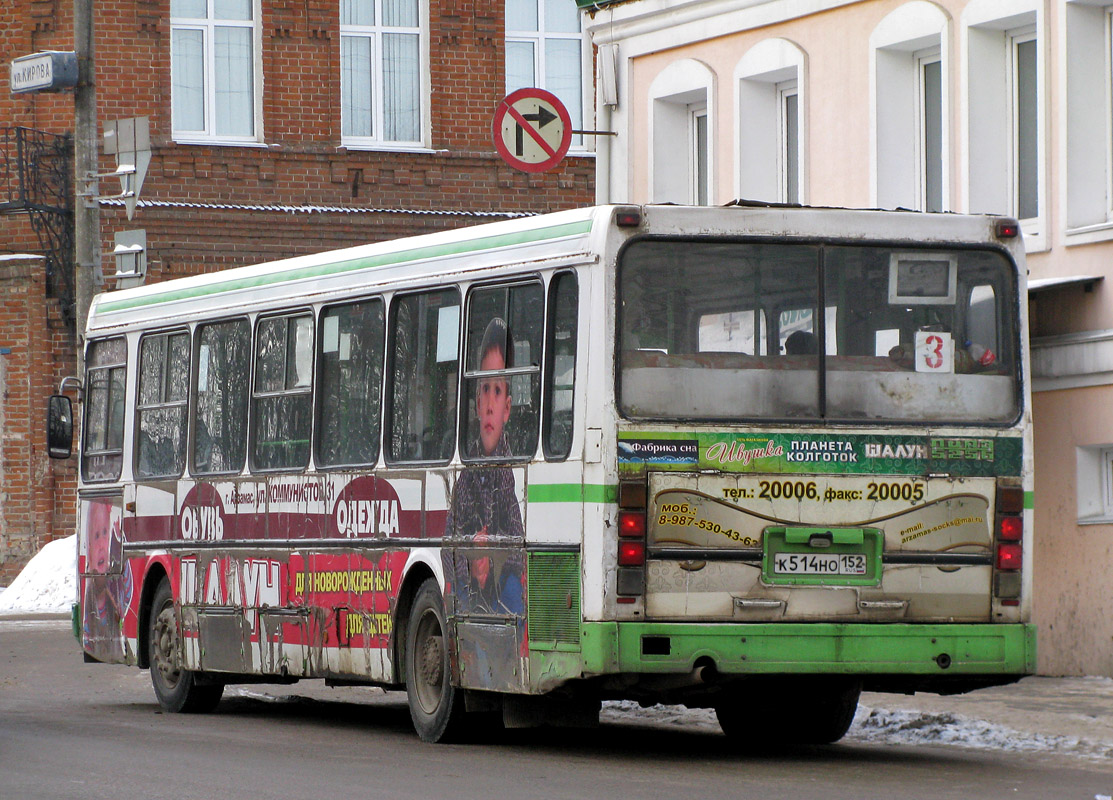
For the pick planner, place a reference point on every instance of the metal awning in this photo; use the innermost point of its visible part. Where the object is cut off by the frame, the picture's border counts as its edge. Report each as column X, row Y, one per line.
column 1046, row 284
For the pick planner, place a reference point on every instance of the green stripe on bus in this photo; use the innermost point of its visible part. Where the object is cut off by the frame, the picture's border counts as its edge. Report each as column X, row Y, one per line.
column 1029, row 499
column 339, row 268
column 572, row 493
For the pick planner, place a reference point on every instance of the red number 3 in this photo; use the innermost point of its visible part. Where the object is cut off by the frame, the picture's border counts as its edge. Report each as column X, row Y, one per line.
column 934, row 356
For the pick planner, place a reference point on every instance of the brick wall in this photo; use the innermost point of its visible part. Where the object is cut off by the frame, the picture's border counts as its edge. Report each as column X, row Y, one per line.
column 335, row 197
column 35, row 352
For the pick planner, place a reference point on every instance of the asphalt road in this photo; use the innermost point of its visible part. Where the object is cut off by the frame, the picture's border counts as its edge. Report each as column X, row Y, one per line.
column 75, row 730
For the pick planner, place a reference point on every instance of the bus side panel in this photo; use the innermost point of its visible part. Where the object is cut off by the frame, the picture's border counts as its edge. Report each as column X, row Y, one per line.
column 108, row 592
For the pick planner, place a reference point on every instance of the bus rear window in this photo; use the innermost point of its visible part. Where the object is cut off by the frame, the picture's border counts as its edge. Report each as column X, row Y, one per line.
column 741, row 330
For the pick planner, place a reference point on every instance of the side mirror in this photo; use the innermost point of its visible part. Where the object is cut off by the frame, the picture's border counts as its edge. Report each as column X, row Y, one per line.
column 59, row 426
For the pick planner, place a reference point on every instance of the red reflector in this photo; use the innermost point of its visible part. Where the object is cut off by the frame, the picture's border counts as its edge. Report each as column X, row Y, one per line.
column 628, row 217
column 1010, row 499
column 1009, row 556
column 626, row 599
column 631, row 524
column 1011, row 529
column 631, row 554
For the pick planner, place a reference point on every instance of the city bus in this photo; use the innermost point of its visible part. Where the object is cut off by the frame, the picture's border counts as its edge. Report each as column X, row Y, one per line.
column 755, row 459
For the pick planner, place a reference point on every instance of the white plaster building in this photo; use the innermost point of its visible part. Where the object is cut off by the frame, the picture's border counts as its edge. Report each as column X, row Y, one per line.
column 1002, row 106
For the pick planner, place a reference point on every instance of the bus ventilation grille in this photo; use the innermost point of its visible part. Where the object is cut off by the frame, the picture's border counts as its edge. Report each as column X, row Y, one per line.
column 554, row 599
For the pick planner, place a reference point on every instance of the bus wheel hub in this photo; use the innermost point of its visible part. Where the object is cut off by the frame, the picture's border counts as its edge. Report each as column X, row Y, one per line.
column 431, row 661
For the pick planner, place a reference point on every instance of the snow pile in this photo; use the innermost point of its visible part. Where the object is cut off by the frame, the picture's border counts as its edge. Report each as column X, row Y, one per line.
column 629, row 711
column 47, row 584
column 882, row 726
column 885, row 727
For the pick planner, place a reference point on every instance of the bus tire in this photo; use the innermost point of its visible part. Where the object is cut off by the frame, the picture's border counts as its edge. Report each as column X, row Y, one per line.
column 178, row 690
column 436, row 706
column 791, row 711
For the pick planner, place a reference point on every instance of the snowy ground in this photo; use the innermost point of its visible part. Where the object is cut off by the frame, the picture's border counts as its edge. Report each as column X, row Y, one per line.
column 46, row 585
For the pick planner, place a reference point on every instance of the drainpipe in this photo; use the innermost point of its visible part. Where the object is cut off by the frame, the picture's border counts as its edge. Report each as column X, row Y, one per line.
column 86, row 210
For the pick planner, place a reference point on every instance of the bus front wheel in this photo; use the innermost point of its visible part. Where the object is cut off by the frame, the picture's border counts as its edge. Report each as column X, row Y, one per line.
column 436, row 706
column 177, row 689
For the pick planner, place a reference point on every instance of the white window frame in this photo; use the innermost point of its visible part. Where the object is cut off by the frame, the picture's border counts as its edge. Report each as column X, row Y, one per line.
column 989, row 29
column 908, row 38
column 681, row 86
column 1095, row 484
column 1107, row 96
column 923, row 59
column 1086, row 118
column 540, row 39
column 699, row 161
column 1014, row 38
column 765, row 75
column 375, row 33
column 785, row 147
column 208, row 26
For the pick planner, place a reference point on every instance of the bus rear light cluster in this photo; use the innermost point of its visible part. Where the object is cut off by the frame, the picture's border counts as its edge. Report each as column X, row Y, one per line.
column 631, row 524
column 1009, row 556
column 1009, row 548
column 628, row 217
column 631, row 554
column 630, row 580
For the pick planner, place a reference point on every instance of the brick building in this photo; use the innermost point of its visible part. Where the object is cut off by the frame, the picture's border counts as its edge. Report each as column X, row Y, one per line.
column 278, row 128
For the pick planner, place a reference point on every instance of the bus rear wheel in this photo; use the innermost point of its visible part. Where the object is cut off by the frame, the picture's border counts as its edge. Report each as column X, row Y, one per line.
column 177, row 689
column 790, row 711
column 436, row 706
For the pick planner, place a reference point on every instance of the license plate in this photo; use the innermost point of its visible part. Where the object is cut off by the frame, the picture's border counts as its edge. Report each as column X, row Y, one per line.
column 819, row 564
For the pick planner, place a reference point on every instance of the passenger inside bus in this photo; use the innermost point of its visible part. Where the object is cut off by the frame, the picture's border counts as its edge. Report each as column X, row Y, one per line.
column 801, row 343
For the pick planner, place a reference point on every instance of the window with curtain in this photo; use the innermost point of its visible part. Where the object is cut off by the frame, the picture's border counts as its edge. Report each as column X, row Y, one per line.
column 545, row 49
column 380, row 71
column 214, row 91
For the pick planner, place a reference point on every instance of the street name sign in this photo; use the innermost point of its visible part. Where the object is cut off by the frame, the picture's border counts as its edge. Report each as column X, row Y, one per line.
column 50, row 71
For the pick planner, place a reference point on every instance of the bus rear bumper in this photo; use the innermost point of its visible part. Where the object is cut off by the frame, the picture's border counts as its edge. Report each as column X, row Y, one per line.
column 930, row 650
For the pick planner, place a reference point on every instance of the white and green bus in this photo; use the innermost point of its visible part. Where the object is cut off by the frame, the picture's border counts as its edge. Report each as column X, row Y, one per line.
column 754, row 459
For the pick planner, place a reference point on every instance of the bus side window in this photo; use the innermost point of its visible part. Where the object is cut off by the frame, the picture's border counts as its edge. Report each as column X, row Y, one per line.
column 503, row 371
column 282, row 396
column 733, row 332
column 103, row 452
column 425, row 353
column 981, row 319
column 162, row 405
column 560, row 371
column 350, row 377
column 220, row 414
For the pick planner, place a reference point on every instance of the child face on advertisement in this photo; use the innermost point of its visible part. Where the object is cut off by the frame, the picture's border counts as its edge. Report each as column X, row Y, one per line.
column 492, row 401
column 100, row 538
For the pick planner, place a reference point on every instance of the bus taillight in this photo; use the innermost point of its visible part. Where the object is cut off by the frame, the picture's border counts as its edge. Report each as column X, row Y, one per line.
column 628, row 217
column 632, row 497
column 1009, row 536
column 631, row 524
column 1009, row 556
column 631, row 553
column 1010, row 529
